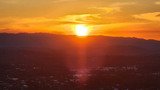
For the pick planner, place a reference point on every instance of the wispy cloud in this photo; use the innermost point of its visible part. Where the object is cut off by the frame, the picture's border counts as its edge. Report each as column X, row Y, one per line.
column 106, row 9
column 158, row 2
column 79, row 19
column 10, row 1
column 148, row 16
column 123, row 4
column 60, row 1
column 25, row 23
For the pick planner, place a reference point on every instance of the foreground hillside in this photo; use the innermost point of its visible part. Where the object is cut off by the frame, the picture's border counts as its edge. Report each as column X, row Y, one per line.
column 57, row 62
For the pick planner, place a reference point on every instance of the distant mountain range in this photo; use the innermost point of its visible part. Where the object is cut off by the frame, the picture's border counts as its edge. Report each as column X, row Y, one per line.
column 94, row 45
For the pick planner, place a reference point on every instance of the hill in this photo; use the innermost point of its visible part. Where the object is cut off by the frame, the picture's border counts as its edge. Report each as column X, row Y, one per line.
column 58, row 62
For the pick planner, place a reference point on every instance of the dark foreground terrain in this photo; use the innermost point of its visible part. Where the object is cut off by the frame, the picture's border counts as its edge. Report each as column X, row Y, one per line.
column 55, row 62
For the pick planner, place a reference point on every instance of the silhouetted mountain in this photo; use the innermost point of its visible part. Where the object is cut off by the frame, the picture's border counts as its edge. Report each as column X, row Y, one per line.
column 101, row 44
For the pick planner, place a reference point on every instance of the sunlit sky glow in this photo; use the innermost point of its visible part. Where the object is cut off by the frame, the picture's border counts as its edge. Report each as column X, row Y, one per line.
column 128, row 18
column 81, row 30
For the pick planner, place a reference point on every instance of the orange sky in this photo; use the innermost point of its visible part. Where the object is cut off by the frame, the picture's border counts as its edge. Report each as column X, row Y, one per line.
column 127, row 18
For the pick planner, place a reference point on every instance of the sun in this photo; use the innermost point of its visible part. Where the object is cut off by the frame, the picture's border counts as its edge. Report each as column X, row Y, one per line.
column 81, row 30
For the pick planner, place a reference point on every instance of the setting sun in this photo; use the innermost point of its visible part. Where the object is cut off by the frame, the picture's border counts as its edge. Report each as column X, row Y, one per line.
column 81, row 30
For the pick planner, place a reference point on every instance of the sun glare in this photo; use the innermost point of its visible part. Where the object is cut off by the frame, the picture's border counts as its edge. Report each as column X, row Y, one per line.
column 81, row 30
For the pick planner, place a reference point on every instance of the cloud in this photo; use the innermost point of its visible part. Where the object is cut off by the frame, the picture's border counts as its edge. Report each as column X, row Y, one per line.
column 79, row 19
column 123, row 4
column 60, row 1
column 9, row 1
column 158, row 2
column 149, row 16
column 106, row 9
column 26, row 23
column 158, row 15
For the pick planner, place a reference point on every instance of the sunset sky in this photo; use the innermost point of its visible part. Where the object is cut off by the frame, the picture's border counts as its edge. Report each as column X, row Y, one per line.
column 128, row 18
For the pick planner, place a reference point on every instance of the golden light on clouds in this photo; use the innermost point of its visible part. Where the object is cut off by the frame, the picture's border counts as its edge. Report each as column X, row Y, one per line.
column 59, row 16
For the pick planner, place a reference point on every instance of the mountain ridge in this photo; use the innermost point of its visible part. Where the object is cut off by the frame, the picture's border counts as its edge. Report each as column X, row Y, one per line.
column 102, row 44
